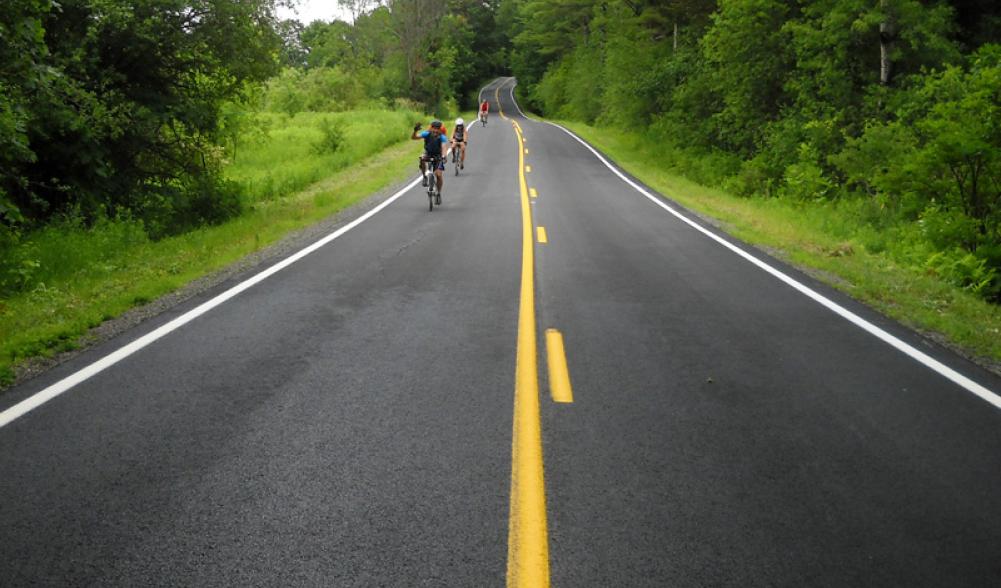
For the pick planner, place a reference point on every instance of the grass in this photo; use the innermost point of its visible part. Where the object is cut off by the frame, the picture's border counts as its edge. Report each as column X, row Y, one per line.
column 881, row 267
column 87, row 276
column 287, row 161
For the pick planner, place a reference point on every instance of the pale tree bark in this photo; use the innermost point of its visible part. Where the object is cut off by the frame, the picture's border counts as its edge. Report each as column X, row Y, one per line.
column 357, row 7
column 887, row 37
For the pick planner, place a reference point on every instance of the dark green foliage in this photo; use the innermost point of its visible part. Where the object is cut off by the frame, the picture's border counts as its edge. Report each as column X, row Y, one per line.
column 895, row 103
column 112, row 107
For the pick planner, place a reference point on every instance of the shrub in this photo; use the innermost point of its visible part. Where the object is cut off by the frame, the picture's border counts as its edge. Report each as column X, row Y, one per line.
column 192, row 203
column 946, row 228
column 966, row 270
column 332, row 139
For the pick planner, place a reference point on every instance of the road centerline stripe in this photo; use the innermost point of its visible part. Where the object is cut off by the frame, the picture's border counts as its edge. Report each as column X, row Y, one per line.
column 559, row 374
column 541, row 233
column 533, row 193
column 528, row 541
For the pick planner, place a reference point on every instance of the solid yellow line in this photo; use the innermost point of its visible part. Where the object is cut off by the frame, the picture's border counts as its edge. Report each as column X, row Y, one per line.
column 533, row 193
column 527, row 538
column 559, row 374
column 541, row 232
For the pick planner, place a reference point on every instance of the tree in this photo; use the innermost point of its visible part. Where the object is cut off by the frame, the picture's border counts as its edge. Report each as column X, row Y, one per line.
column 131, row 115
column 415, row 24
column 747, row 53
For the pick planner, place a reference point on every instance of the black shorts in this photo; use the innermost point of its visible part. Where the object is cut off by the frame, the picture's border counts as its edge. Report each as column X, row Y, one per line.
column 437, row 161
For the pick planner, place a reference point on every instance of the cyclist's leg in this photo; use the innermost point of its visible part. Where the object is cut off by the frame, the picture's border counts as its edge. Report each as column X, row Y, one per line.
column 439, row 175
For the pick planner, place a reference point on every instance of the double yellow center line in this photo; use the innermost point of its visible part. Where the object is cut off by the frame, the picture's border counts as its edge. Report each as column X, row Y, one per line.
column 528, row 539
column 528, row 542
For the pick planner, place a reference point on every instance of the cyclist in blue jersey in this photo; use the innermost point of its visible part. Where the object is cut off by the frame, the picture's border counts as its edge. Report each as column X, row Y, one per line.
column 435, row 147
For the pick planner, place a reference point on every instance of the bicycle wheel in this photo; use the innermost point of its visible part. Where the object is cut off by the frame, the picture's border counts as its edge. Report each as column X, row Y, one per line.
column 431, row 193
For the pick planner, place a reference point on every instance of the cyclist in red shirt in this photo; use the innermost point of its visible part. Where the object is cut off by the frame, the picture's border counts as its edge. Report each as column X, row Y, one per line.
column 484, row 110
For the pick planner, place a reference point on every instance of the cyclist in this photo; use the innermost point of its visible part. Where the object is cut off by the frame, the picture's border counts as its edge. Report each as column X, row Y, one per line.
column 435, row 145
column 484, row 110
column 459, row 141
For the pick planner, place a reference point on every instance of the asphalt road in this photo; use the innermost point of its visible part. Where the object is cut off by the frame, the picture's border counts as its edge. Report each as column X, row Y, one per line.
column 348, row 421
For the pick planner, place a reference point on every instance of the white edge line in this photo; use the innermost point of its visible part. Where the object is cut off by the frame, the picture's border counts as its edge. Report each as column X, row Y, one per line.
column 516, row 105
column 926, row 360
column 40, row 398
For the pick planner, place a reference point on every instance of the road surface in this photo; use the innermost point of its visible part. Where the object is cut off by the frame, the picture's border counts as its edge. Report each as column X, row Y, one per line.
column 389, row 410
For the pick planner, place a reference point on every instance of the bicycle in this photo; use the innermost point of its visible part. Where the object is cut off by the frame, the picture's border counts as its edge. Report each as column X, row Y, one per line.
column 456, row 158
column 434, row 196
column 483, row 117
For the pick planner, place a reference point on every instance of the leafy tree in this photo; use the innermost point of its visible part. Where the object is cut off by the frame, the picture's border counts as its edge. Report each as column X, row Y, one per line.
column 293, row 52
column 748, row 57
column 23, row 77
column 131, row 113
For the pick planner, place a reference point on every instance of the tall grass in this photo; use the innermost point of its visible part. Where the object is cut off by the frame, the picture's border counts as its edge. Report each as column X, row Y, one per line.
column 288, row 159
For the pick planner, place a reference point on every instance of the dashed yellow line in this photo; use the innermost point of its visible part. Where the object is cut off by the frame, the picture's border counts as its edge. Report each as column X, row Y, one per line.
column 559, row 375
column 541, row 234
column 533, row 193
column 528, row 169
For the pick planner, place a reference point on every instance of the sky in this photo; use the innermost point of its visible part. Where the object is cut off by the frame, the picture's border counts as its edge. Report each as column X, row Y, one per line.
column 310, row 10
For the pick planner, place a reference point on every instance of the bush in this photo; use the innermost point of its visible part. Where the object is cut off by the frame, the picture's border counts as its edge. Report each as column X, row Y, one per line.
column 966, row 270
column 189, row 204
column 947, row 229
column 332, row 140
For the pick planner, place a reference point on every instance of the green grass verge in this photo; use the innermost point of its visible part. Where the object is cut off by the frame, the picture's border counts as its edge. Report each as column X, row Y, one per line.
column 827, row 240
column 94, row 274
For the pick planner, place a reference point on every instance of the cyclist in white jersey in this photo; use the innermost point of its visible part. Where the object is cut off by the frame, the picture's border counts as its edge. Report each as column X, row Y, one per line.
column 460, row 138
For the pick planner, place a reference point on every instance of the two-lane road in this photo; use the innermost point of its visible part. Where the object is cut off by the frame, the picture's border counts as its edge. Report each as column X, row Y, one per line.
column 351, row 419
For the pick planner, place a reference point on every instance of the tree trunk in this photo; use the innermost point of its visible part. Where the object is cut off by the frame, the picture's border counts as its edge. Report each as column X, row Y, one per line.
column 675, row 36
column 887, row 37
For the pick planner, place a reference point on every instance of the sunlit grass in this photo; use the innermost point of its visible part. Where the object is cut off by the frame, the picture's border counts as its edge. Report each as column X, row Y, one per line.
column 285, row 160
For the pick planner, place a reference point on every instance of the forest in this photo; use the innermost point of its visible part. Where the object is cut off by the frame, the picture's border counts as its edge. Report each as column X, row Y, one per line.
column 887, row 108
column 124, row 125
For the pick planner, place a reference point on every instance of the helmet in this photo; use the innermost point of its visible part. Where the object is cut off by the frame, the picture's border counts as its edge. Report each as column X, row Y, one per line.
column 459, row 121
column 436, row 124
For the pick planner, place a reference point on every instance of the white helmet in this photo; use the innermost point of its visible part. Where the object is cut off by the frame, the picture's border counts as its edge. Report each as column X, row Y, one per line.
column 459, row 121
